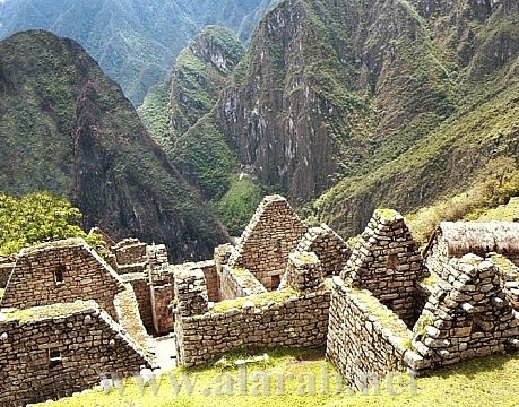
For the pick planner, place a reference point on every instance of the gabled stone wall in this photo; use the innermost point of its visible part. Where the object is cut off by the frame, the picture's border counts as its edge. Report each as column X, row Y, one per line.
column 468, row 315
column 387, row 262
column 51, row 352
column 58, row 272
column 273, row 232
column 332, row 250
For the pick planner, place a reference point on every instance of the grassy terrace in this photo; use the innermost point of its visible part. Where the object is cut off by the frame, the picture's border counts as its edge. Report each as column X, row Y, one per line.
column 490, row 381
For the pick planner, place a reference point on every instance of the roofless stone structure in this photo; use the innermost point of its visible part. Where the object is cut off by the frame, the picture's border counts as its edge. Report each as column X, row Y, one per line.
column 273, row 232
column 387, row 263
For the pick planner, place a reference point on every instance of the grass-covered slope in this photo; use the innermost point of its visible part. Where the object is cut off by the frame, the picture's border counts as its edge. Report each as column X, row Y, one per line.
column 483, row 382
column 135, row 42
column 68, row 129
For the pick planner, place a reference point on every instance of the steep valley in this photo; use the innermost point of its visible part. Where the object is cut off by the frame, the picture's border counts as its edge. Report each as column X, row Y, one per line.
column 345, row 106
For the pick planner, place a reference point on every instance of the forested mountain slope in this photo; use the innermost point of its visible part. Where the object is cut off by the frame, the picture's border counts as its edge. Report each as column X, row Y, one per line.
column 134, row 41
column 65, row 127
column 359, row 104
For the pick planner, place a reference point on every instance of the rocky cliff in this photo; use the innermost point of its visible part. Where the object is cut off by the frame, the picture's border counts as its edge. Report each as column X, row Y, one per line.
column 362, row 104
column 66, row 128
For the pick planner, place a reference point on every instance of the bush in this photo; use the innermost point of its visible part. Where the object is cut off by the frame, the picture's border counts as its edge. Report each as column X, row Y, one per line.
column 38, row 217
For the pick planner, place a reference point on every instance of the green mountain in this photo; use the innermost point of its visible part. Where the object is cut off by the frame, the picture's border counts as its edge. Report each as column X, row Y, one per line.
column 350, row 105
column 68, row 129
column 134, row 41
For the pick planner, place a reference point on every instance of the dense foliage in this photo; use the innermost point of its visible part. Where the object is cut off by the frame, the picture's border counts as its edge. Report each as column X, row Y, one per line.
column 68, row 129
column 38, row 217
column 238, row 204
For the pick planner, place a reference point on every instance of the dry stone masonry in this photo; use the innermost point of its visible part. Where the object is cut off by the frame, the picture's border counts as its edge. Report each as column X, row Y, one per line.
column 273, row 232
column 467, row 315
column 332, row 250
column 61, row 272
column 55, row 350
column 387, row 262
column 74, row 316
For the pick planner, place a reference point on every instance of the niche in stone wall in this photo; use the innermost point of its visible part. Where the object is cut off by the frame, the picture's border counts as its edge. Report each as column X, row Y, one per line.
column 392, row 261
column 59, row 273
column 54, row 359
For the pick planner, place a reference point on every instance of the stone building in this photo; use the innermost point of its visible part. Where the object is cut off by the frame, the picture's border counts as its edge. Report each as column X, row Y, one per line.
column 387, row 263
column 55, row 350
column 60, row 272
column 66, row 318
column 273, row 232
column 470, row 310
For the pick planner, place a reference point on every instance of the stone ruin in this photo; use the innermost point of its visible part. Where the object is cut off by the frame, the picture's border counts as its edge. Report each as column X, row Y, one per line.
column 66, row 318
column 376, row 307
column 387, row 262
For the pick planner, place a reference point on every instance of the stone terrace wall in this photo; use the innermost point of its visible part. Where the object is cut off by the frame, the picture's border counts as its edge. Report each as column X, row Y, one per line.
column 298, row 322
column 468, row 315
column 387, row 263
column 365, row 337
column 332, row 250
column 88, row 342
column 273, row 232
column 85, row 276
column 238, row 282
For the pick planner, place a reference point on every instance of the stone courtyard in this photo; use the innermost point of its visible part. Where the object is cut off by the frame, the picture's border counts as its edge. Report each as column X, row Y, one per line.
column 69, row 316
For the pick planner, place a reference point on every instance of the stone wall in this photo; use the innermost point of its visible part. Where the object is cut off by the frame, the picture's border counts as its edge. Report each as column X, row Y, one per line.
column 162, row 296
column 130, row 256
column 273, row 232
column 64, row 271
column 304, row 272
column 468, row 315
column 6, row 266
column 51, row 352
column 141, row 287
column 299, row 321
column 332, row 250
column 238, row 282
column 387, row 263
column 209, row 268
column 128, row 314
column 157, row 257
column 365, row 338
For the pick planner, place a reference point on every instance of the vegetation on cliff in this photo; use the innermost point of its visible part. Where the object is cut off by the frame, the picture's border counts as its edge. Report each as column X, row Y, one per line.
column 134, row 42
column 69, row 130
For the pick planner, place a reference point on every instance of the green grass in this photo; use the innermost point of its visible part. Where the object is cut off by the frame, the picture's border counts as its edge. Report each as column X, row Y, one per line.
column 484, row 382
column 258, row 300
column 48, row 311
